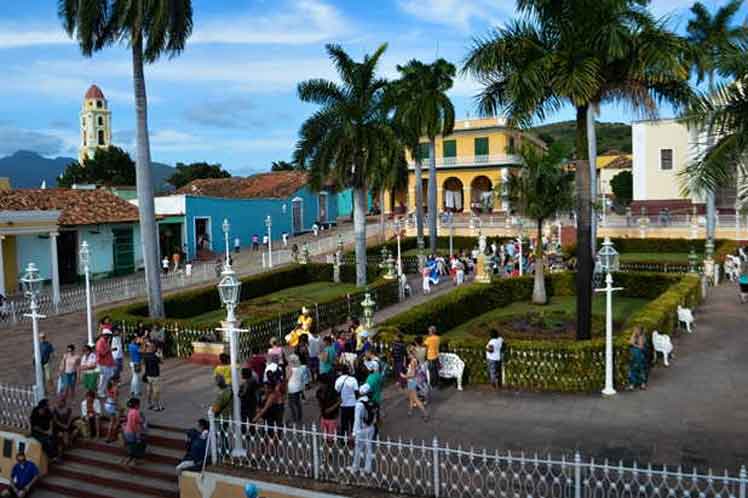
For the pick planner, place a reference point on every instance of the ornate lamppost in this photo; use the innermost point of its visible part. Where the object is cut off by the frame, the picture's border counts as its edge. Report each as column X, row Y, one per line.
column 269, row 225
column 225, row 226
column 521, row 228
column 85, row 260
column 32, row 284
column 607, row 259
column 228, row 290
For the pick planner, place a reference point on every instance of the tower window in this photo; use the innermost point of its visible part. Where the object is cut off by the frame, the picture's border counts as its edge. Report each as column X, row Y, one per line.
column 83, row 122
column 99, row 104
column 101, row 137
column 101, row 121
column 85, row 142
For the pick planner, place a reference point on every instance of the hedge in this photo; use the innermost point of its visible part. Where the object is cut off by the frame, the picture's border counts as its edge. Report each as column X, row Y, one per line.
column 652, row 245
column 547, row 365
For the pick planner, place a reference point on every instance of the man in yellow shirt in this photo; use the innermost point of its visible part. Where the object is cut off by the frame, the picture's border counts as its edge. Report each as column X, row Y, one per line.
column 432, row 355
column 224, row 368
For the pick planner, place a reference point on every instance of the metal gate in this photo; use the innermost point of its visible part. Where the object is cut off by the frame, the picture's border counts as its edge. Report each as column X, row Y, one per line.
column 124, row 251
column 297, row 215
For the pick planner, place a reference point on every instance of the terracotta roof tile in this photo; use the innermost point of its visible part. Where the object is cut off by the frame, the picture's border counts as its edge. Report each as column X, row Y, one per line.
column 79, row 207
column 274, row 185
column 94, row 92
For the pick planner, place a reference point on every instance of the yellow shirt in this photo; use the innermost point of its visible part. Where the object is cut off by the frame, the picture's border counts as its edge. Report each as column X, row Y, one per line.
column 432, row 347
column 224, row 371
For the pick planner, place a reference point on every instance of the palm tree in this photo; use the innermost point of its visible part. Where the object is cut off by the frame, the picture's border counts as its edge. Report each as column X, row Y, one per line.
column 151, row 28
column 347, row 138
column 577, row 52
column 710, row 38
column 391, row 174
column 424, row 107
column 540, row 189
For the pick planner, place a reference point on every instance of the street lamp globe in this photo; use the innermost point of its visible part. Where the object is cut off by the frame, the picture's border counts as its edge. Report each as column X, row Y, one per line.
column 226, row 226
column 31, row 281
column 228, row 287
column 84, row 254
column 607, row 256
column 268, row 222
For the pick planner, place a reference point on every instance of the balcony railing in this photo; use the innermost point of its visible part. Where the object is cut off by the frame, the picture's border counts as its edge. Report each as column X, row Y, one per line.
column 466, row 161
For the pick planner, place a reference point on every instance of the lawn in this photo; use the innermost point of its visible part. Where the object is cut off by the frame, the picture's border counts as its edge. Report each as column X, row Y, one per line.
column 271, row 305
column 559, row 312
column 655, row 257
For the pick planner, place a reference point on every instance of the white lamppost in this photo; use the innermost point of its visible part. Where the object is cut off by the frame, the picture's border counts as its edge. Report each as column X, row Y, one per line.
column 520, row 224
column 228, row 289
column 226, row 227
column 269, row 225
column 607, row 259
column 85, row 261
column 32, row 284
column 451, row 231
column 399, row 259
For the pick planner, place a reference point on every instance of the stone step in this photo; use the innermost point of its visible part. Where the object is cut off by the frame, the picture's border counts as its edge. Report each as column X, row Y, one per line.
column 150, row 474
column 45, row 493
column 155, row 454
column 64, row 486
column 116, row 478
column 91, row 457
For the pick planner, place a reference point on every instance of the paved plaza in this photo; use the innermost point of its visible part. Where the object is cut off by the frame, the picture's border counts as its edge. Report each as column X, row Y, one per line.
column 694, row 413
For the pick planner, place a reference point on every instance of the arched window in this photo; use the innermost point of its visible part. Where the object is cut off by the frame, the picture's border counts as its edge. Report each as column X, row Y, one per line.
column 99, row 104
column 101, row 121
column 101, row 137
column 85, row 142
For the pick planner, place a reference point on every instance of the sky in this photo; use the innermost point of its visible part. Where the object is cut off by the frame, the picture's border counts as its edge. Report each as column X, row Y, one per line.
column 230, row 98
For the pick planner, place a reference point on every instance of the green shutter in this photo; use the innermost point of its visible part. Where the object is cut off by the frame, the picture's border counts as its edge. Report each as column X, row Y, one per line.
column 422, row 152
column 449, row 148
column 124, row 251
column 481, row 146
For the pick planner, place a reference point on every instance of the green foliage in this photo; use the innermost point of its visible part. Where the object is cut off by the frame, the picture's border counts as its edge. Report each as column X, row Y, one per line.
column 611, row 137
column 285, row 166
column 185, row 173
column 623, row 187
column 110, row 166
column 653, row 245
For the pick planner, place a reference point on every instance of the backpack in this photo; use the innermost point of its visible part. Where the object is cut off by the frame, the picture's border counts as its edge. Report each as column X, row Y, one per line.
column 372, row 413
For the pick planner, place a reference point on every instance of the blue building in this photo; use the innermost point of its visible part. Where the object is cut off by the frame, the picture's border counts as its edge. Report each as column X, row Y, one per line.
column 193, row 216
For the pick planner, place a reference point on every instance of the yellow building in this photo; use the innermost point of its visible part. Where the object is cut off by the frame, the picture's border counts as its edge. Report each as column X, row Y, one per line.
column 471, row 163
column 96, row 123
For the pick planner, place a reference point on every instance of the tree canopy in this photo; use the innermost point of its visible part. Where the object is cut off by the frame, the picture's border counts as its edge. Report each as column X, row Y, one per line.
column 623, row 187
column 110, row 167
column 185, row 173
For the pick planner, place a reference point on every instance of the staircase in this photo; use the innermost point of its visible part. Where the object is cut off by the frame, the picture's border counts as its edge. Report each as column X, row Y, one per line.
column 93, row 469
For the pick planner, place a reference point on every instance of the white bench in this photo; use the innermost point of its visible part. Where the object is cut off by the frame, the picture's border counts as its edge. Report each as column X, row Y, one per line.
column 685, row 317
column 661, row 344
column 451, row 366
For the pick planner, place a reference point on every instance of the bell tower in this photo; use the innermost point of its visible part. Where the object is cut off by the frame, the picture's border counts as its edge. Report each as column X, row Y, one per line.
column 96, row 123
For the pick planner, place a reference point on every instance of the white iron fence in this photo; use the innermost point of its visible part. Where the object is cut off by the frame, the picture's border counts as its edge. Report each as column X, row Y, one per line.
column 16, row 403
column 438, row 470
column 107, row 291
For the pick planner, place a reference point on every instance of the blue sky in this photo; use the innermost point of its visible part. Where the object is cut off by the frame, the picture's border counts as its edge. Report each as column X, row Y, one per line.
column 230, row 97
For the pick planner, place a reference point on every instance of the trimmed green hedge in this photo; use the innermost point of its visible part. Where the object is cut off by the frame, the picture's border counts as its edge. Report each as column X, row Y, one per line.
column 652, row 245
column 547, row 365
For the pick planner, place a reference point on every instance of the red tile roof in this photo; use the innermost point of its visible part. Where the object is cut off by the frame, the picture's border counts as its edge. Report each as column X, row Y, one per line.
column 94, row 92
column 79, row 207
column 277, row 185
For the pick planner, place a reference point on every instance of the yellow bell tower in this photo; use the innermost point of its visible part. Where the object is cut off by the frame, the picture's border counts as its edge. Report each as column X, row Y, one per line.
column 96, row 123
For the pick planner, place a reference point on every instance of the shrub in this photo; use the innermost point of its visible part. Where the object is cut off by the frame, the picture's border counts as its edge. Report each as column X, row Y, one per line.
column 652, row 245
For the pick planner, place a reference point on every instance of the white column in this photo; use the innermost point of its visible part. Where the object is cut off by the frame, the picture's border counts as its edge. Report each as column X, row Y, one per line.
column 54, row 267
column 2, row 267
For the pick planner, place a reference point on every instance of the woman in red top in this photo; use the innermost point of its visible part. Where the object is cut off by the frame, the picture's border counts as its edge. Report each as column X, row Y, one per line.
column 134, row 432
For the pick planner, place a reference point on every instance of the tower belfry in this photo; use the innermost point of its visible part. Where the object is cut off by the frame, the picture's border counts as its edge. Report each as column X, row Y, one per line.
column 96, row 123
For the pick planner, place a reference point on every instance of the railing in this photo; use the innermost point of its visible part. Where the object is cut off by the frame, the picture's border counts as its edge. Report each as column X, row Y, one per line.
column 112, row 290
column 461, row 161
column 438, row 470
column 16, row 403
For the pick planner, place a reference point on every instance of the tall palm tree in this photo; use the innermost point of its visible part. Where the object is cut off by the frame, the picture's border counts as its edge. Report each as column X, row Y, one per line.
column 151, row 28
column 425, row 108
column 391, row 174
column 577, row 52
column 710, row 37
column 540, row 189
column 347, row 138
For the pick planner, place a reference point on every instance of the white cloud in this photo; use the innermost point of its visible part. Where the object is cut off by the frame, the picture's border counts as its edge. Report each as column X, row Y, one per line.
column 458, row 14
column 170, row 140
column 18, row 35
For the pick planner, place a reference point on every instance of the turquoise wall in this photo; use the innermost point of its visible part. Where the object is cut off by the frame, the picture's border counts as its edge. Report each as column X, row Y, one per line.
column 345, row 203
column 247, row 217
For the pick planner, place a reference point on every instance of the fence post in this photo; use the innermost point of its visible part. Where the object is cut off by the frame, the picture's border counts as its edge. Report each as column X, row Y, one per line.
column 212, row 435
column 315, row 452
column 743, row 481
column 435, row 451
column 316, row 313
column 577, row 475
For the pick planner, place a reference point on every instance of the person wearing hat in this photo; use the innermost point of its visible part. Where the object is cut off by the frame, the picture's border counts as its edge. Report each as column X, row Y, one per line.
column 374, row 379
column 104, row 360
column 303, row 327
column 364, row 422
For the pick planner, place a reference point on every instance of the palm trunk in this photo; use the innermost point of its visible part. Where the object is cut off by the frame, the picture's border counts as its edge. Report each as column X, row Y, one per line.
column 359, row 232
column 592, row 156
column 538, row 288
column 585, row 265
column 381, row 215
column 146, row 208
column 432, row 196
column 419, row 202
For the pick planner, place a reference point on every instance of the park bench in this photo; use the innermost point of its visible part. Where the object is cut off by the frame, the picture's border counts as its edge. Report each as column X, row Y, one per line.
column 451, row 366
column 661, row 344
column 685, row 317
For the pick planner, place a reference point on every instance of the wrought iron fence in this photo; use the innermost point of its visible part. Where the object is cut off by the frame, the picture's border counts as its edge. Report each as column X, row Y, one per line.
column 16, row 403
column 437, row 470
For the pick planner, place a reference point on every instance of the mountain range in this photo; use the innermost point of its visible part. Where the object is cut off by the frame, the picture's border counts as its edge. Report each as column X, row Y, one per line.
column 611, row 137
column 27, row 169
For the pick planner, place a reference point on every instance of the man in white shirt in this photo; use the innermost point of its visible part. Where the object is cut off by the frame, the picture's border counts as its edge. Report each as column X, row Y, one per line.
column 347, row 387
column 314, row 350
column 118, row 352
column 237, row 244
column 493, row 357
column 365, row 419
